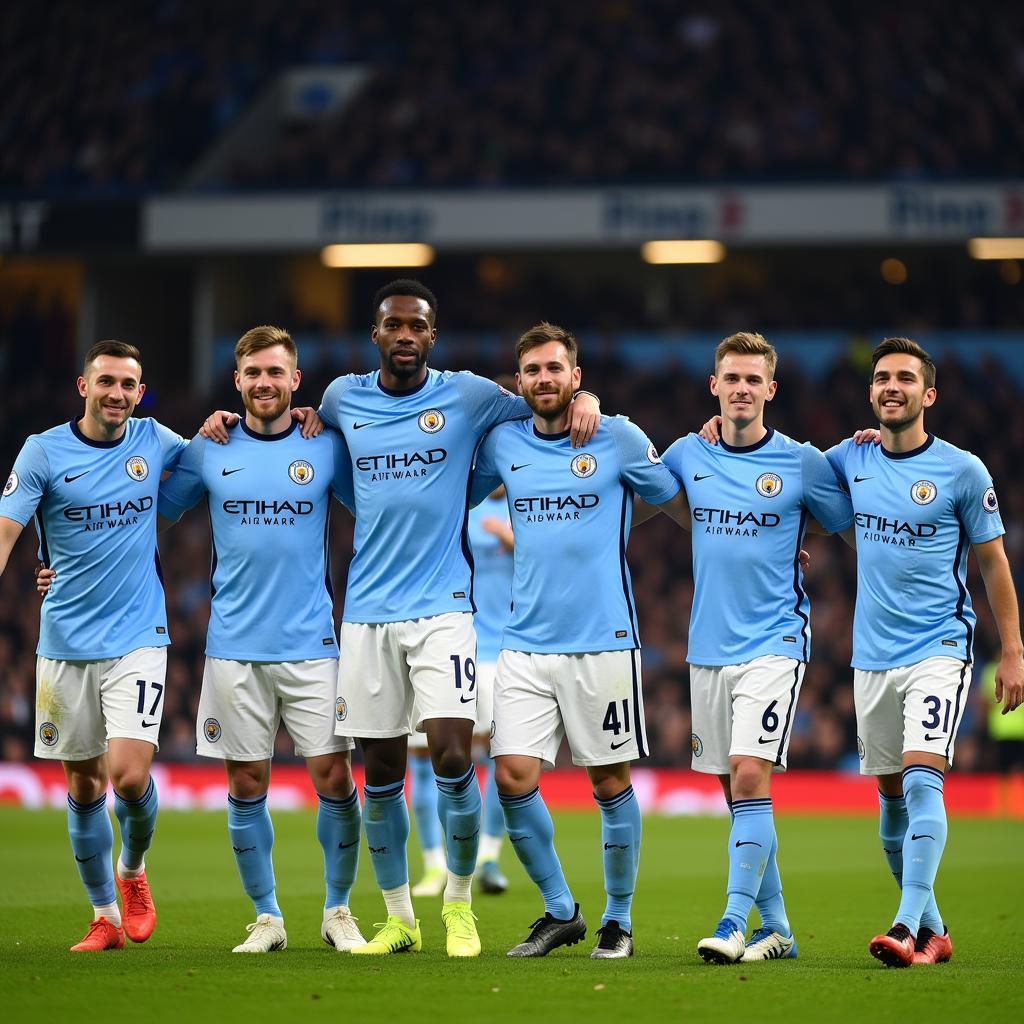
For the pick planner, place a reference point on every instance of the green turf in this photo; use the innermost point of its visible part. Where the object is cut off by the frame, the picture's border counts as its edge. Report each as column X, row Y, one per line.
column 838, row 894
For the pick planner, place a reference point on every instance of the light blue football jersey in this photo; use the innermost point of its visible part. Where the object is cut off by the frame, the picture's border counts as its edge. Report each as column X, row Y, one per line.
column 917, row 513
column 411, row 456
column 749, row 508
column 492, row 578
column 269, row 498
column 94, row 505
column 571, row 511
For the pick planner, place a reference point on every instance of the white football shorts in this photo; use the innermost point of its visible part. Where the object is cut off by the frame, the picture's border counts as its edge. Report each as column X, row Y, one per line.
column 484, row 706
column 242, row 703
column 80, row 705
column 916, row 707
column 594, row 700
column 395, row 675
column 743, row 710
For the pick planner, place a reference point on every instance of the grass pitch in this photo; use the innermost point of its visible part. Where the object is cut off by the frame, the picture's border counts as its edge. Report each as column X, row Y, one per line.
column 838, row 893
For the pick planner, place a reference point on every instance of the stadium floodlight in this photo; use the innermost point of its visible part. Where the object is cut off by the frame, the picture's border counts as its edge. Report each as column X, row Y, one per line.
column 378, row 254
column 996, row 248
column 683, row 250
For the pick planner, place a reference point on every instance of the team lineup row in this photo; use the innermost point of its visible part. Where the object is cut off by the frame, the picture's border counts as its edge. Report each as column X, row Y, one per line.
column 407, row 449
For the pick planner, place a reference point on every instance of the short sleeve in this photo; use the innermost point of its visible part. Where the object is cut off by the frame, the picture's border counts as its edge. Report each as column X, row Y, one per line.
column 172, row 445
column 977, row 506
column 331, row 402
column 342, row 484
column 27, row 483
column 824, row 496
column 640, row 466
column 184, row 488
column 836, row 457
column 487, row 404
column 486, row 477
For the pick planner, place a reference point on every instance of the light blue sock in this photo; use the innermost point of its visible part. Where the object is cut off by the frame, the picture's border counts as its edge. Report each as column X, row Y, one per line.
column 494, row 819
column 252, row 839
column 92, row 843
column 924, row 842
column 620, row 841
column 458, row 808
column 424, row 802
column 386, row 823
column 750, row 844
column 892, row 830
column 769, row 902
column 337, row 828
column 137, row 819
column 532, row 835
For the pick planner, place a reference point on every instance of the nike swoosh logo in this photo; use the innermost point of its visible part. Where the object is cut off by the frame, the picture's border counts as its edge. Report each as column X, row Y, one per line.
column 465, row 839
column 923, row 835
column 937, row 736
column 228, row 472
column 616, row 846
column 345, row 846
column 71, row 479
column 243, row 849
column 746, row 842
column 515, row 469
column 615, row 746
column 148, row 725
column 701, row 476
column 359, row 426
column 771, row 739
column 82, row 860
column 861, row 479
column 467, row 700
column 518, row 839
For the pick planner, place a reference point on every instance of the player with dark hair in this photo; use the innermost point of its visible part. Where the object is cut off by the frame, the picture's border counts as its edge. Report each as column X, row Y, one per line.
column 91, row 485
column 921, row 506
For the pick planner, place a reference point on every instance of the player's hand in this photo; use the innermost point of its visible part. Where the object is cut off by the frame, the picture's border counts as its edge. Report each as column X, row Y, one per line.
column 584, row 417
column 493, row 525
column 712, row 430
column 312, row 425
column 215, row 426
column 805, row 560
column 44, row 579
column 867, row 435
column 1010, row 683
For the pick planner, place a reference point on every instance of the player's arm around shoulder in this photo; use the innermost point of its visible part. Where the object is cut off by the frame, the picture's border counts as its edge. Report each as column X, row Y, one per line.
column 825, row 494
column 184, row 488
column 486, row 475
column 642, row 468
column 342, row 481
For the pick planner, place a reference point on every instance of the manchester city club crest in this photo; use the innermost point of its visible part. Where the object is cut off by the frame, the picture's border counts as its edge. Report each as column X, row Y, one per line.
column 652, row 454
column 12, row 484
column 340, row 709
column 212, row 729
column 696, row 745
column 431, row 421
column 301, row 471
column 137, row 468
column 768, row 485
column 48, row 734
column 989, row 501
column 860, row 748
column 923, row 492
column 584, row 465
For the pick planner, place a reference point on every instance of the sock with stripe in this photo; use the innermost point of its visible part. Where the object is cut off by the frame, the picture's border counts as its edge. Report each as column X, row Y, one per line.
column 892, row 830
column 458, row 808
column 386, row 824
column 620, row 842
column 92, row 843
column 769, row 902
column 493, row 819
column 532, row 835
column 424, row 810
column 750, row 843
column 137, row 819
column 337, row 829
column 252, row 840
column 924, row 841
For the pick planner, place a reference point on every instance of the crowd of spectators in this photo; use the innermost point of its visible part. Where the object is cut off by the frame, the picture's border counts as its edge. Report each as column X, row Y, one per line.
column 127, row 95
column 978, row 409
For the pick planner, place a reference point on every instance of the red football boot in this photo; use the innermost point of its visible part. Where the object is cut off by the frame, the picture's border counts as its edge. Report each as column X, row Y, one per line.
column 895, row 948
column 137, row 908
column 101, row 935
column 931, row 948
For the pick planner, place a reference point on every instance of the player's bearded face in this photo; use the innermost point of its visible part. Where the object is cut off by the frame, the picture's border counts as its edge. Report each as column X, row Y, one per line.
column 898, row 393
column 266, row 400
column 547, row 381
column 404, row 333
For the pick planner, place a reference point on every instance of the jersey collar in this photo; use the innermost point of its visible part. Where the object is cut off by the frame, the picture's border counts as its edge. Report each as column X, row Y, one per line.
column 280, row 436
column 76, row 430
column 909, row 455
column 403, row 394
column 560, row 436
column 743, row 449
